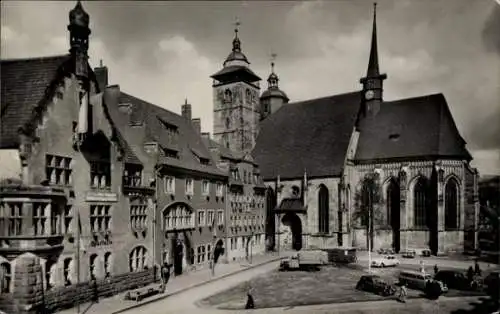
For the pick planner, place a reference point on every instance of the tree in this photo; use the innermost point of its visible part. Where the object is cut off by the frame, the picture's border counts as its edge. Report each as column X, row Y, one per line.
column 366, row 201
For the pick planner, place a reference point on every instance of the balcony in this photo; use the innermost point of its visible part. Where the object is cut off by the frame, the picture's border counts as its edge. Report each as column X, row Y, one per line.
column 31, row 219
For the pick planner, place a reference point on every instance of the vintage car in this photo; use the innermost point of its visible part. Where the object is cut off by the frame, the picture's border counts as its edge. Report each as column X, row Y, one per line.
column 408, row 253
column 384, row 251
column 375, row 284
column 457, row 280
column 419, row 280
column 385, row 261
column 305, row 260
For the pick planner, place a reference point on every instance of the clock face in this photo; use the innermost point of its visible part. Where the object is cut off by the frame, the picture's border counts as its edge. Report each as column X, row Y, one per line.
column 369, row 95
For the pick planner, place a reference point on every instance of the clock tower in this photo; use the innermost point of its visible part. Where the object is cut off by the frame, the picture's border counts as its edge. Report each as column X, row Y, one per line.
column 373, row 82
column 236, row 101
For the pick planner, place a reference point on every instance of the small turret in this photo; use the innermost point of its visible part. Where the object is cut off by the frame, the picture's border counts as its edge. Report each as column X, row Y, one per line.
column 273, row 98
column 79, row 32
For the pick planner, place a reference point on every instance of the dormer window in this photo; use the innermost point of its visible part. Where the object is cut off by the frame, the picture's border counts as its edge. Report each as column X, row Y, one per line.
column 170, row 153
column 204, row 161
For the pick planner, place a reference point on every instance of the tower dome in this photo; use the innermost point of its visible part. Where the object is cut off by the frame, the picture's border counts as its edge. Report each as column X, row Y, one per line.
column 273, row 97
column 236, row 56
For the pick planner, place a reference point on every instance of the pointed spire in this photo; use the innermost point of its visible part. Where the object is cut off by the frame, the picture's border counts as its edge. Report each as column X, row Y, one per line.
column 273, row 79
column 373, row 69
column 236, row 40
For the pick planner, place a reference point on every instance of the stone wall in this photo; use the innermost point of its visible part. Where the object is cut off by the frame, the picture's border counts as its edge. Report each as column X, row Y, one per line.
column 67, row 297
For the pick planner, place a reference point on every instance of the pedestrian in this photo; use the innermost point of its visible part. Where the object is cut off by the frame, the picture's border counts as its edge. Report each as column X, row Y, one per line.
column 95, row 290
column 422, row 268
column 250, row 303
column 168, row 268
column 477, row 269
column 470, row 274
column 402, row 293
column 436, row 269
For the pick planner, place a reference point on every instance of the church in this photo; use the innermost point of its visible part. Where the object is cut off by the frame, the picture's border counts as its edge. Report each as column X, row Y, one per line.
column 351, row 170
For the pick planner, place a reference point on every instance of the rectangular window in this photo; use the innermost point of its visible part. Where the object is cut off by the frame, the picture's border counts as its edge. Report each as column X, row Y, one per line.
column 205, row 187
column 170, row 153
column 204, row 161
column 220, row 190
column 58, row 170
column 139, row 215
column 100, row 175
column 189, row 186
column 220, row 217
column 169, row 183
column 201, row 218
column 100, row 218
column 92, row 266
column 39, row 218
column 209, row 251
column 132, row 175
column 11, row 219
column 210, row 217
column 68, row 217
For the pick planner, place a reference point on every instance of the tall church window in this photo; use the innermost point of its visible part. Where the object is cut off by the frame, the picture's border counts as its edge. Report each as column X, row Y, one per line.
column 248, row 95
column 419, row 203
column 323, row 209
column 452, row 216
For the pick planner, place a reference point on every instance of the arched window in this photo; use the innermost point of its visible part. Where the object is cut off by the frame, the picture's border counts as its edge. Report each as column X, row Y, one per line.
column 92, row 266
column 137, row 259
column 67, row 270
column 228, row 96
column 178, row 216
column 6, row 277
column 451, row 213
column 420, row 203
column 392, row 201
column 107, row 264
column 323, row 209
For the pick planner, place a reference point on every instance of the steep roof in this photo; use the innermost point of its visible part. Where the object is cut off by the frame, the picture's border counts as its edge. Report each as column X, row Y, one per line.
column 414, row 127
column 223, row 151
column 24, row 84
column 155, row 121
column 311, row 135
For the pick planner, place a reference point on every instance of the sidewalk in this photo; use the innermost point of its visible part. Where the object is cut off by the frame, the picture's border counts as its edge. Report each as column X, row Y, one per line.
column 117, row 304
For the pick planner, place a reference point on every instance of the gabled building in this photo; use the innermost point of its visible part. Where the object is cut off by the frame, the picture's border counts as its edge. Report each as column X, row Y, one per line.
column 101, row 185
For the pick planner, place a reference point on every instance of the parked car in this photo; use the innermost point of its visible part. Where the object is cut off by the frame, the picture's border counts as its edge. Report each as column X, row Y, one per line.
column 384, row 251
column 341, row 255
column 491, row 283
column 305, row 260
column 375, row 284
column 456, row 280
column 385, row 261
column 425, row 253
column 408, row 253
column 418, row 280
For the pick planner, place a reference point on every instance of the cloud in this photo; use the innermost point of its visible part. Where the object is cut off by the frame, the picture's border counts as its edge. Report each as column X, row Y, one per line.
column 425, row 47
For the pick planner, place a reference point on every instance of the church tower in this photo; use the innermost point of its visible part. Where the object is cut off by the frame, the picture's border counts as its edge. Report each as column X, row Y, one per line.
column 273, row 98
column 236, row 101
column 373, row 82
column 79, row 32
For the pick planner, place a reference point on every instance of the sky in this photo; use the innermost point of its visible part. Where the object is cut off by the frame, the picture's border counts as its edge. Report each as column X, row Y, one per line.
column 164, row 52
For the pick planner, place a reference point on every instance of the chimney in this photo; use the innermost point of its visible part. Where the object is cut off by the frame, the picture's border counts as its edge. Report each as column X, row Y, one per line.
column 186, row 110
column 197, row 124
column 205, row 135
column 101, row 74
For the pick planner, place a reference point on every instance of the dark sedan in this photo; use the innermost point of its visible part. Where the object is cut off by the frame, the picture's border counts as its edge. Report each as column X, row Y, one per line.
column 375, row 284
column 456, row 280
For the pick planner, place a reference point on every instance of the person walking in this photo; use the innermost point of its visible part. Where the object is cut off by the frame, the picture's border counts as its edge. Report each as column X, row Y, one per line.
column 436, row 269
column 250, row 302
column 477, row 269
column 403, row 293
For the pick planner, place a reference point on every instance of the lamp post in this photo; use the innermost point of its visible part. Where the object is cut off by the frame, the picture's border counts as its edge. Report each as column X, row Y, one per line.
column 251, row 246
column 369, row 230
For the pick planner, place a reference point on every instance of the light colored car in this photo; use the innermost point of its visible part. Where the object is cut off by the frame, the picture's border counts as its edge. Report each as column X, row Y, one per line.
column 385, row 261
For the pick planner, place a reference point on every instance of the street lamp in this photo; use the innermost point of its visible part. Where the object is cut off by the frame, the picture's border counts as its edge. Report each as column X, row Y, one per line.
column 251, row 246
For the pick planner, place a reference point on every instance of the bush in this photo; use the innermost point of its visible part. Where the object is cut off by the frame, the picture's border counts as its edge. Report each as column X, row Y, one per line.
column 433, row 290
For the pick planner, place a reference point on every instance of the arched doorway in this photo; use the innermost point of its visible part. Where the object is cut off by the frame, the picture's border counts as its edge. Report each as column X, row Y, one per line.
column 394, row 213
column 178, row 255
column 270, row 219
column 292, row 221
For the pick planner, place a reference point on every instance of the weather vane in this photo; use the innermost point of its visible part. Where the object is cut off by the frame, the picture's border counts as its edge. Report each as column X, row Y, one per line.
column 236, row 24
column 273, row 58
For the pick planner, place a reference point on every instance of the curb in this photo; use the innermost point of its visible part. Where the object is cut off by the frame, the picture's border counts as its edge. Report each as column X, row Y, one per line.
column 196, row 285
